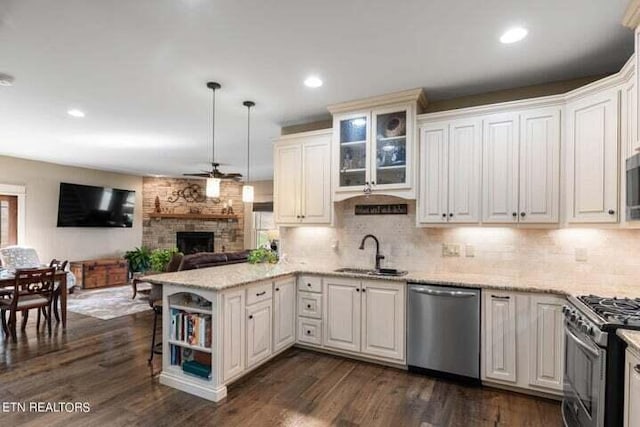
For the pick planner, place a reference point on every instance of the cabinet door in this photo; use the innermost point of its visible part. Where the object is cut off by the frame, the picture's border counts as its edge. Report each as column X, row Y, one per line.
column 434, row 179
column 383, row 327
column 284, row 314
column 500, row 166
column 287, row 183
column 233, row 329
column 392, row 141
column 592, row 158
column 351, row 139
column 540, row 166
column 465, row 137
column 316, row 181
column 632, row 391
column 546, row 338
column 342, row 314
column 500, row 337
column 258, row 333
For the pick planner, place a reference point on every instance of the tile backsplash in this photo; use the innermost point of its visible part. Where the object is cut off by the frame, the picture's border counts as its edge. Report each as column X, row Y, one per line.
column 589, row 255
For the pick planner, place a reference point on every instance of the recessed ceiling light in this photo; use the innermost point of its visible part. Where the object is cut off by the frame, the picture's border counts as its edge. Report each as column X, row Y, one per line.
column 513, row 35
column 313, row 82
column 75, row 113
column 6, row 80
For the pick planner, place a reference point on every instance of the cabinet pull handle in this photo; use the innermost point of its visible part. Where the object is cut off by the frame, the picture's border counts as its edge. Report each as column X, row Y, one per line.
column 637, row 369
column 251, row 316
column 364, row 289
column 298, row 216
column 357, row 289
column 515, row 214
column 277, row 289
column 308, row 332
column 523, row 214
column 373, row 183
column 611, row 212
column 444, row 215
column 259, row 294
column 500, row 296
column 309, row 284
column 308, row 305
column 450, row 215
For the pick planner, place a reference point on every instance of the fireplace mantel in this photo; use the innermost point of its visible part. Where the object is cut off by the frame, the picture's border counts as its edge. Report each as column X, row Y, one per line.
column 204, row 217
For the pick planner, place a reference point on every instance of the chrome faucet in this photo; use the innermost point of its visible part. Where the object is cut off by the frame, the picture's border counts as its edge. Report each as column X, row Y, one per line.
column 378, row 256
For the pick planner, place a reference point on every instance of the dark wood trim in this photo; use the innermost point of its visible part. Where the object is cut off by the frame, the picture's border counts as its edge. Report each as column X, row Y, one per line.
column 204, row 217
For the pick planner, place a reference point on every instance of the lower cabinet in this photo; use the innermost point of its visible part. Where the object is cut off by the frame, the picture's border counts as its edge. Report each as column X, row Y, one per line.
column 259, row 328
column 233, row 331
column 342, row 314
column 523, row 340
column 632, row 390
column 364, row 317
column 284, row 314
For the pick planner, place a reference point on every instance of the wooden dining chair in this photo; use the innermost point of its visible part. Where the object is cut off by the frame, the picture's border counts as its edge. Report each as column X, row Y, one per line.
column 59, row 266
column 32, row 288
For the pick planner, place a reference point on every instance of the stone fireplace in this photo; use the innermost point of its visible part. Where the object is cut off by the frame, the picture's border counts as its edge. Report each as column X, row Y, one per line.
column 191, row 242
column 191, row 216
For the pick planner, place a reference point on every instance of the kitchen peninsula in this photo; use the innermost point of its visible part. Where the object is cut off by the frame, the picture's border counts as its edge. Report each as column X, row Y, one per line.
column 258, row 311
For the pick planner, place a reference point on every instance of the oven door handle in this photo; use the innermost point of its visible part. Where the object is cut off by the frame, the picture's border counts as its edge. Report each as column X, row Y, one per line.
column 578, row 341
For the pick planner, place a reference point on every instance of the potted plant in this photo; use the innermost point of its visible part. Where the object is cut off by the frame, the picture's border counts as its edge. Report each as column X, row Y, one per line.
column 139, row 259
column 160, row 258
column 261, row 255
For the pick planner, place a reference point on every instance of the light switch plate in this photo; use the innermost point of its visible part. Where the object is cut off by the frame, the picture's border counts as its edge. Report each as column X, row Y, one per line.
column 581, row 254
column 450, row 250
column 470, row 251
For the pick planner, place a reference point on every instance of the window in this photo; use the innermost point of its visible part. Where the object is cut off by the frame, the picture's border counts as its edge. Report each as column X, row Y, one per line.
column 8, row 220
column 265, row 230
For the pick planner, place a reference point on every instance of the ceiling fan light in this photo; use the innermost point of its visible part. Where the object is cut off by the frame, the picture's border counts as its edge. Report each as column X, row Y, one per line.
column 213, row 187
column 247, row 193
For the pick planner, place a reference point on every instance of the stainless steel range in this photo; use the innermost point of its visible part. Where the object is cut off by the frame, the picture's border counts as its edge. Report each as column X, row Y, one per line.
column 594, row 359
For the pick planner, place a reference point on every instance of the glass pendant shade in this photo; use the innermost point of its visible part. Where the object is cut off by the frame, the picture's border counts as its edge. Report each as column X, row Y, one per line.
column 247, row 193
column 213, row 187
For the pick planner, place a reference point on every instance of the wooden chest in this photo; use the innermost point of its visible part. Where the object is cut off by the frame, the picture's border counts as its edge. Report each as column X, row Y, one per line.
column 99, row 273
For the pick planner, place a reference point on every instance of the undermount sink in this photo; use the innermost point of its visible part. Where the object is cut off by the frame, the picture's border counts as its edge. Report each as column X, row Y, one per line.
column 380, row 272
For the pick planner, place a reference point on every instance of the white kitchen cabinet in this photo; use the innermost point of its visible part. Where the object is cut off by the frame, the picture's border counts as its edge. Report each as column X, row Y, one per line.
column 259, row 332
column 450, row 161
column 284, row 314
column 500, row 336
column 302, row 179
column 632, row 390
column 500, row 165
column 539, row 173
column 342, row 314
column 233, row 330
column 521, row 164
column 592, row 158
column 383, row 319
column 546, row 341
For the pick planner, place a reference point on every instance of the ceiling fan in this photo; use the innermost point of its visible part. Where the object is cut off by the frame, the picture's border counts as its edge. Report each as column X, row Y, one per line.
column 214, row 175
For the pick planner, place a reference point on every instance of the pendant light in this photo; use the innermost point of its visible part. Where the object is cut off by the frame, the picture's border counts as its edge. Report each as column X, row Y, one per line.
column 247, row 190
column 213, row 183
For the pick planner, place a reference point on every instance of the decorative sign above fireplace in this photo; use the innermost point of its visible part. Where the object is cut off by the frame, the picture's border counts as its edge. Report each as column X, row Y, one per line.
column 393, row 209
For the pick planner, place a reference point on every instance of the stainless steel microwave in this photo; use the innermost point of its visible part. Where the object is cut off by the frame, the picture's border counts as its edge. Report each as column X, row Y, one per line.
column 633, row 187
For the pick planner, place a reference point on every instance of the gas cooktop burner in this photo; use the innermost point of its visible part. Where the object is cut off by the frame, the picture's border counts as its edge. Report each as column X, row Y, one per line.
column 619, row 310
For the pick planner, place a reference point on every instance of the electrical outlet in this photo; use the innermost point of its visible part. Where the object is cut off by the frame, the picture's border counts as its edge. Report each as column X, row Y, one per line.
column 450, row 250
column 581, row 254
column 470, row 251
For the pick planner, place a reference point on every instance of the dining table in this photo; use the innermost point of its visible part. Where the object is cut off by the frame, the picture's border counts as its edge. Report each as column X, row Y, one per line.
column 7, row 281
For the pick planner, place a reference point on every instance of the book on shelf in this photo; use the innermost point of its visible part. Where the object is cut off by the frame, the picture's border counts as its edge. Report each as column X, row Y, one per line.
column 191, row 328
column 195, row 368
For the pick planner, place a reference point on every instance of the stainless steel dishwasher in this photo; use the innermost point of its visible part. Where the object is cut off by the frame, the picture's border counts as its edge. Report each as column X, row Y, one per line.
column 443, row 332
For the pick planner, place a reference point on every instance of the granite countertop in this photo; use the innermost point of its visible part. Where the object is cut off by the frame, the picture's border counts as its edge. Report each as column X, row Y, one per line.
column 228, row 276
column 632, row 338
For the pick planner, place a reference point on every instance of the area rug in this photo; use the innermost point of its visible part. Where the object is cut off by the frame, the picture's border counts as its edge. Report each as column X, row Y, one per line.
column 107, row 303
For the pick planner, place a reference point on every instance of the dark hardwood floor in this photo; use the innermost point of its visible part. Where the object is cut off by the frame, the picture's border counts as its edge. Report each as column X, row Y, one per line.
column 104, row 363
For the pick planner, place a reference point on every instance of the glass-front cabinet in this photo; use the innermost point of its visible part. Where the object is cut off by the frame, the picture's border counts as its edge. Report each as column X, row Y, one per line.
column 375, row 149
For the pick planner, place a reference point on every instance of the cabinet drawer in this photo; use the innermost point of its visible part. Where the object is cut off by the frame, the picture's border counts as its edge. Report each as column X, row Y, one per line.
column 310, row 305
column 260, row 292
column 309, row 331
column 310, row 284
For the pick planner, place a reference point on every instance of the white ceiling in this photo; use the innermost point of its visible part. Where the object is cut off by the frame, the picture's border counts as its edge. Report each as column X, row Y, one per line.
column 138, row 68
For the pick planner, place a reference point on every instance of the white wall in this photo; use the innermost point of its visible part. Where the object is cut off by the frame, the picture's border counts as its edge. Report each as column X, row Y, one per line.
column 42, row 182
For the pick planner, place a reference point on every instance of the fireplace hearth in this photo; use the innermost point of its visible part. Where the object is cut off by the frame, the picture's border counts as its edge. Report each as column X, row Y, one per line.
column 191, row 242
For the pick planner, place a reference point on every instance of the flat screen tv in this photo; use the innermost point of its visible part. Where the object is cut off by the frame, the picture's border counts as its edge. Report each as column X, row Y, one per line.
column 88, row 206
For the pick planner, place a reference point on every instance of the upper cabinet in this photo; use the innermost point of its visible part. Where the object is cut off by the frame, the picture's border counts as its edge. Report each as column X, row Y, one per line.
column 450, row 156
column 521, row 164
column 302, row 179
column 374, row 145
column 592, row 158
